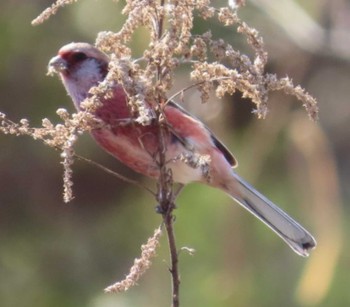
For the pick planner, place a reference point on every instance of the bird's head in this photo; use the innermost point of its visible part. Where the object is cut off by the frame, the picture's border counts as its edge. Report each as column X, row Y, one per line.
column 81, row 66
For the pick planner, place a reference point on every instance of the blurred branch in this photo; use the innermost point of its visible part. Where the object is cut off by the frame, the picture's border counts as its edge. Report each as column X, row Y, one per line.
column 304, row 31
column 321, row 191
column 261, row 137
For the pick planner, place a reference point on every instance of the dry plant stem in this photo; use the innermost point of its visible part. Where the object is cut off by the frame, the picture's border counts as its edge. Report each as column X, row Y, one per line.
column 166, row 206
column 161, row 21
column 165, row 187
column 117, row 175
column 168, row 219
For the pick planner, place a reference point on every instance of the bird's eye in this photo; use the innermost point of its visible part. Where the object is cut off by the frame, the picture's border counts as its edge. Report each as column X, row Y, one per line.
column 79, row 56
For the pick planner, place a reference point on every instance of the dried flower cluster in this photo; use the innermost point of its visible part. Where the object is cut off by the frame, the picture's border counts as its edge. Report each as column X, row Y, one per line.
column 46, row 14
column 59, row 136
column 148, row 80
column 141, row 265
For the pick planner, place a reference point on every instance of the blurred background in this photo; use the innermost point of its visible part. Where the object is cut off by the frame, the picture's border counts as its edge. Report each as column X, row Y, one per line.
column 56, row 254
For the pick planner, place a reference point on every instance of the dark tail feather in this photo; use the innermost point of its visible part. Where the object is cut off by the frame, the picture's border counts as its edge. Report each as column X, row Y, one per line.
column 299, row 239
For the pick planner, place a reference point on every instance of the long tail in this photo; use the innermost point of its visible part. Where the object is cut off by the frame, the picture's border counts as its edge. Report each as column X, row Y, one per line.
column 298, row 238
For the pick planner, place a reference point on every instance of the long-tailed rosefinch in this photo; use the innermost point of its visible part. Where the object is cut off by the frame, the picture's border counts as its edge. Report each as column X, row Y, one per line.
column 82, row 66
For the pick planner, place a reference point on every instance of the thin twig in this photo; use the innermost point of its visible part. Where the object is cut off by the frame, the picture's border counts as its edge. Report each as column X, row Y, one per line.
column 31, row 132
column 166, row 205
column 161, row 21
column 180, row 92
column 109, row 171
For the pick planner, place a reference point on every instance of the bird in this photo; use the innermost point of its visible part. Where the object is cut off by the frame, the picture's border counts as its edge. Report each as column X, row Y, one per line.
column 82, row 66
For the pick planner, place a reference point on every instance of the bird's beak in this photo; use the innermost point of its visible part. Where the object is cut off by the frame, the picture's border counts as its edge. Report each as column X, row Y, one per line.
column 56, row 65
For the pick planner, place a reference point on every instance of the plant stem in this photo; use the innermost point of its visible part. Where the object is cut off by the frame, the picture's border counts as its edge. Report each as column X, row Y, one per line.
column 169, row 224
column 165, row 195
column 166, row 199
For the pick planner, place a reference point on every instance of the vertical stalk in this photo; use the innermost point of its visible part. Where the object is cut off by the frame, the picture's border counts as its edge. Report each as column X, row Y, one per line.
column 165, row 185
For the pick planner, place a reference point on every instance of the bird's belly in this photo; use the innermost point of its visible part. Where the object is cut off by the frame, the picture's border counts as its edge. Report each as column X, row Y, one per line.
column 183, row 173
column 126, row 151
column 140, row 154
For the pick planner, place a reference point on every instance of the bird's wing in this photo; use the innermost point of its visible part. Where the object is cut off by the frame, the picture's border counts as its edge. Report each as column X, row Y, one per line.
column 218, row 144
